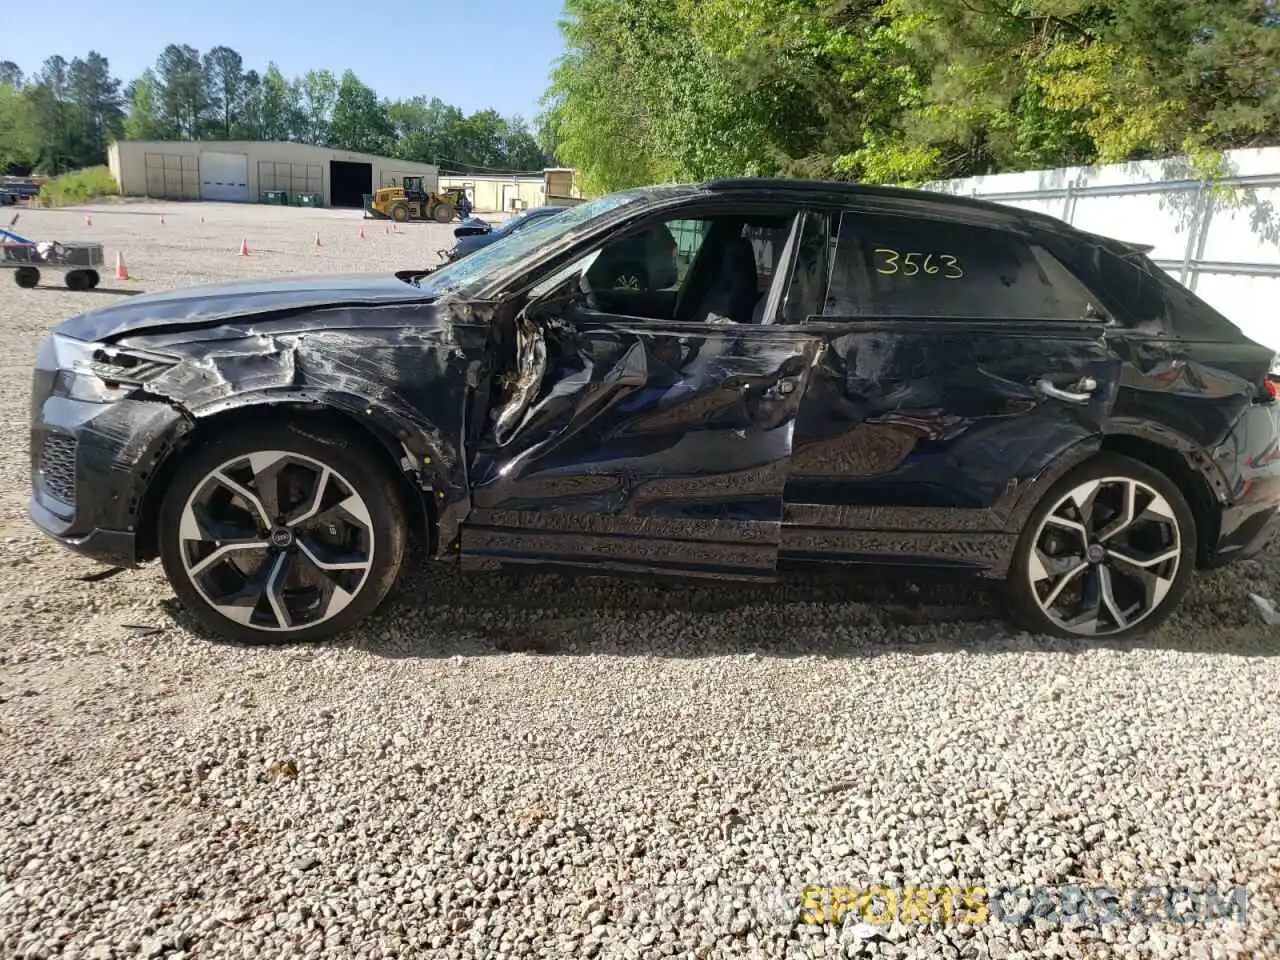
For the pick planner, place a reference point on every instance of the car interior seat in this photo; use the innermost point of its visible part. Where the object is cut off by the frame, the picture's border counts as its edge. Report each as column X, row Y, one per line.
column 735, row 288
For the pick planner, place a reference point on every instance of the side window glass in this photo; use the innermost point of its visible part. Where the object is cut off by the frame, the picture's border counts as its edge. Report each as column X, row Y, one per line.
column 655, row 258
column 809, row 276
column 889, row 266
column 767, row 242
column 688, row 235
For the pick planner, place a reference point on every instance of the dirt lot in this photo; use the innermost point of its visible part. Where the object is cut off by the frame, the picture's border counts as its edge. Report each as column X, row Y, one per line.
column 557, row 768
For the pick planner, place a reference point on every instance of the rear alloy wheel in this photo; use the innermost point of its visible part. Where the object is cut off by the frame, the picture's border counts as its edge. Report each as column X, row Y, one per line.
column 1106, row 554
column 275, row 535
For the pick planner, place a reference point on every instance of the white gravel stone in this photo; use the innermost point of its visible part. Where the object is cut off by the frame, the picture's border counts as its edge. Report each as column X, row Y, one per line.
column 412, row 790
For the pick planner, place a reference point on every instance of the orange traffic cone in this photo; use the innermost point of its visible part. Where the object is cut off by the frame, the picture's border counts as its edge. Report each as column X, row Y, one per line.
column 362, row 233
column 88, row 220
column 122, row 272
column 244, row 247
column 317, row 239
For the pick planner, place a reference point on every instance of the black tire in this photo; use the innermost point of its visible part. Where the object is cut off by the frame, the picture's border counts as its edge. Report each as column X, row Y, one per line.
column 26, row 277
column 94, row 278
column 627, row 276
column 444, row 212
column 356, row 468
column 1168, row 579
column 400, row 212
column 78, row 280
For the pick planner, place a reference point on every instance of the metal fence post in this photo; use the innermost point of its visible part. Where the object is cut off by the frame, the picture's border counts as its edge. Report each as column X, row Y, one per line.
column 1209, row 208
column 1193, row 234
column 1068, row 207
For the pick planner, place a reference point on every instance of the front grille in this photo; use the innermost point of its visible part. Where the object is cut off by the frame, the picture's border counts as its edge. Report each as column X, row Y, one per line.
column 58, row 467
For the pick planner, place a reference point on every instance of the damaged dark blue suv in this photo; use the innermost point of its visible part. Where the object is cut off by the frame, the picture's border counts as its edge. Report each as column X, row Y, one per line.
column 834, row 374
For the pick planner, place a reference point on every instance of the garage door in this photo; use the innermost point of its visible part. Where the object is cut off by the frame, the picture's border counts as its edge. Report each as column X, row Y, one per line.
column 224, row 176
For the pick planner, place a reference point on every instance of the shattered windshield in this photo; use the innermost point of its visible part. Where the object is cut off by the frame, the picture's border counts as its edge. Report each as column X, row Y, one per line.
column 458, row 276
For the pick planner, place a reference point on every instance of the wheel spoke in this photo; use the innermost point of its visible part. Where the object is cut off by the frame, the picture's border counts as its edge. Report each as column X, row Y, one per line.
column 1147, row 563
column 241, row 604
column 266, row 467
column 1123, row 521
column 275, row 590
column 333, row 599
column 317, row 500
column 224, row 550
column 247, row 495
column 350, row 510
column 308, row 549
column 1089, row 610
column 1064, row 582
column 1109, row 599
column 1154, row 587
column 1084, row 497
column 1072, row 525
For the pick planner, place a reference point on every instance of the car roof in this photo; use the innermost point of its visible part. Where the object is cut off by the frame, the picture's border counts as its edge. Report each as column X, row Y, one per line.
column 838, row 190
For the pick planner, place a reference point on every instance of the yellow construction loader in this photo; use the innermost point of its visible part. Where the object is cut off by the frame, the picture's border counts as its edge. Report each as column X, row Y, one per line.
column 408, row 201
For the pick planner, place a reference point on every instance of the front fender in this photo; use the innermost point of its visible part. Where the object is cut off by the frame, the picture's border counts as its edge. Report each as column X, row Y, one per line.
column 430, row 454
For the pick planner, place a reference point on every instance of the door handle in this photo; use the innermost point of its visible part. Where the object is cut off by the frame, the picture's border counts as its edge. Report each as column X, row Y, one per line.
column 1079, row 392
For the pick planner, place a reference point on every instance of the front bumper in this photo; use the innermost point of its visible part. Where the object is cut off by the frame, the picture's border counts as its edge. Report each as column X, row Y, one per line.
column 91, row 468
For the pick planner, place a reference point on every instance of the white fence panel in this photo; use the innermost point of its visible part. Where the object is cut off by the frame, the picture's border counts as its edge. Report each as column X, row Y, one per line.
column 1227, row 249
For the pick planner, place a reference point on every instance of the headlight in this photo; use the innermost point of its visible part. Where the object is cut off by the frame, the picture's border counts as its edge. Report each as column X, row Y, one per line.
column 97, row 373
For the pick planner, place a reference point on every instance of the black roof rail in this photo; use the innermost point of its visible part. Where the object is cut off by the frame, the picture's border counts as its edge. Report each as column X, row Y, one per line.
column 850, row 189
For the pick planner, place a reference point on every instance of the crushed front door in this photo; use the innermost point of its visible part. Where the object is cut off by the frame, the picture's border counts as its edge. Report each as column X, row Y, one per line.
column 645, row 446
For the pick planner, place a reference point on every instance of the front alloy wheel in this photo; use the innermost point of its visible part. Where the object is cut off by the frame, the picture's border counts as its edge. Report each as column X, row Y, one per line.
column 1108, row 552
column 280, row 536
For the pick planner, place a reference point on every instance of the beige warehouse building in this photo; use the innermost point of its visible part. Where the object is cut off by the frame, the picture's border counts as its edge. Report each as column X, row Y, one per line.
column 241, row 170
column 493, row 192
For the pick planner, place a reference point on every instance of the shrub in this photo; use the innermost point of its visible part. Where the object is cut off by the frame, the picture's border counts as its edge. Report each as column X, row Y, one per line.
column 78, row 187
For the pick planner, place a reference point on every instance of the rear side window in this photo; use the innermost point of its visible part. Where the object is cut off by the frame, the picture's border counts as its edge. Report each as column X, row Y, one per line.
column 888, row 266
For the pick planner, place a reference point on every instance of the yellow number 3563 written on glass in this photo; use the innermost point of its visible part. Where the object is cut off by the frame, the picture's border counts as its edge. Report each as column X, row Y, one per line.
column 890, row 262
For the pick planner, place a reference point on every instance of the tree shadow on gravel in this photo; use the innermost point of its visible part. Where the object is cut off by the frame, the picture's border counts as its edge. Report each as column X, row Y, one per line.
column 437, row 612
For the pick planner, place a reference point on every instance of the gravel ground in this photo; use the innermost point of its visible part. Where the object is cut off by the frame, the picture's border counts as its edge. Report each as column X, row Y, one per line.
column 540, row 767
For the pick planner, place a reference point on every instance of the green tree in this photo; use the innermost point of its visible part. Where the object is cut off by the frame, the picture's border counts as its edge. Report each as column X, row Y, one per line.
column 248, row 125
column 144, row 119
column 223, row 71
column 20, row 134
column 183, row 93
column 319, row 94
column 360, row 120
column 279, row 110
column 96, row 107
column 47, row 98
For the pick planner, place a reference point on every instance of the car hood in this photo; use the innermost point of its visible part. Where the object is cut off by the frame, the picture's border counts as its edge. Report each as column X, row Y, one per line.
column 192, row 307
column 475, row 242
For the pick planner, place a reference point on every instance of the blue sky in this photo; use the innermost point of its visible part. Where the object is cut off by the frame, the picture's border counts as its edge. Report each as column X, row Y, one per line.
column 500, row 59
